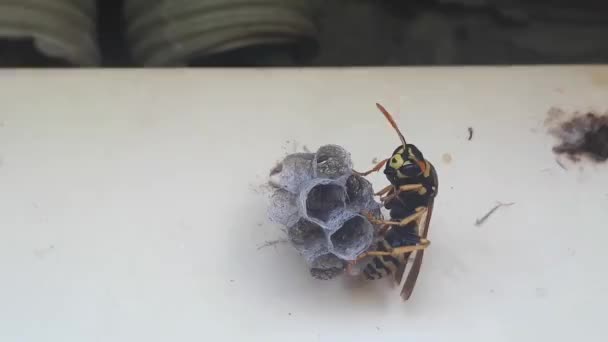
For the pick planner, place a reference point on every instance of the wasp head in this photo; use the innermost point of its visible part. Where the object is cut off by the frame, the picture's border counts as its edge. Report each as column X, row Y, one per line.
column 406, row 162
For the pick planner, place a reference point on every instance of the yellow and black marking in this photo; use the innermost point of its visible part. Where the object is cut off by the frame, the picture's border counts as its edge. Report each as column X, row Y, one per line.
column 410, row 198
column 382, row 266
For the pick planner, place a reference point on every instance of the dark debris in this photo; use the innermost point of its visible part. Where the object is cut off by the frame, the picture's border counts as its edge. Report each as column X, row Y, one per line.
column 481, row 220
column 583, row 135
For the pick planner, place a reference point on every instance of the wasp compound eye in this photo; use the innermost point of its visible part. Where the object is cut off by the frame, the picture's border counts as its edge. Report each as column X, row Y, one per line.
column 410, row 170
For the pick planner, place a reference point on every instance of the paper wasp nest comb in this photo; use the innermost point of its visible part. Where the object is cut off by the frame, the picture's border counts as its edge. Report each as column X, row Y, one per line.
column 319, row 199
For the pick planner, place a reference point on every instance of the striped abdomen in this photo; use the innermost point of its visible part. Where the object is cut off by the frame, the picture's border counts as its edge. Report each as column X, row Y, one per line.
column 382, row 266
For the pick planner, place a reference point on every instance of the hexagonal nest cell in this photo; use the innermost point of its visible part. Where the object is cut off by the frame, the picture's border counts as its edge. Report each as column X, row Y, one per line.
column 324, row 201
column 307, row 236
column 292, row 172
column 319, row 200
column 359, row 192
column 332, row 161
column 354, row 237
column 283, row 209
column 327, row 266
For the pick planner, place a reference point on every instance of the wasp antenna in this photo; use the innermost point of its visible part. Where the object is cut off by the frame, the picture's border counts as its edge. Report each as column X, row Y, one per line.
column 390, row 119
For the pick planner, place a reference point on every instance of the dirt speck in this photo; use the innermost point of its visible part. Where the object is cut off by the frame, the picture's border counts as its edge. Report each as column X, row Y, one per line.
column 289, row 313
column 41, row 253
column 470, row 130
column 232, row 280
column 481, row 220
column 375, row 161
column 540, row 292
column 272, row 243
column 581, row 135
column 491, row 290
column 291, row 146
column 446, row 158
column 554, row 114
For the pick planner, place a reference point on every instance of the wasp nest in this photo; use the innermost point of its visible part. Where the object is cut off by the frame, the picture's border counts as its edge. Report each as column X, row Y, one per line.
column 320, row 201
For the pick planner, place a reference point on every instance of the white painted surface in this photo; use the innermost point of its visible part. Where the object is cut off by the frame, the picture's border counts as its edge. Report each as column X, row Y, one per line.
column 131, row 205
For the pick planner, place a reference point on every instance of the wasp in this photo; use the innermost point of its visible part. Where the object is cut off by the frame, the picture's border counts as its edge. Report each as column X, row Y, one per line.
column 410, row 199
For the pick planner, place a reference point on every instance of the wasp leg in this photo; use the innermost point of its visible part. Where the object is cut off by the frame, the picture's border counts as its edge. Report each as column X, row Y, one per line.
column 375, row 169
column 410, row 187
column 386, row 190
column 383, row 229
column 388, row 197
column 349, row 267
column 424, row 243
column 419, row 213
column 403, row 188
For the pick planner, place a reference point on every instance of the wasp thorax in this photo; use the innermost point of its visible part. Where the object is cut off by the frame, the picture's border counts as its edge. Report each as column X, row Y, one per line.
column 319, row 200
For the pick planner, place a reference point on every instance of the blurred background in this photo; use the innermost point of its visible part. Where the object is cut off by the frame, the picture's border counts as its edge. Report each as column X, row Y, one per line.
column 198, row 33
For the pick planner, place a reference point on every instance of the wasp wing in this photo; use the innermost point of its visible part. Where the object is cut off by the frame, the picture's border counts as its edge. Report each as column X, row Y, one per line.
column 401, row 269
column 412, row 276
column 422, row 232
